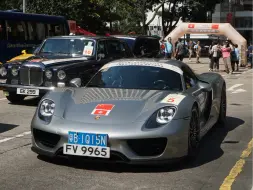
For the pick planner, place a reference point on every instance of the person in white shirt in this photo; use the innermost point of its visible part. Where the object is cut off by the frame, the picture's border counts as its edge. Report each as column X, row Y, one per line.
column 216, row 53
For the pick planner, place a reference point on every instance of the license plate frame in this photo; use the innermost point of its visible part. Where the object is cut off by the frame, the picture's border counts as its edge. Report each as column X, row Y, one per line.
column 28, row 91
column 87, row 144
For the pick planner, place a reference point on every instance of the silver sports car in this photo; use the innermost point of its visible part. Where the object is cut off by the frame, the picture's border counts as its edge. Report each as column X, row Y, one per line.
column 133, row 111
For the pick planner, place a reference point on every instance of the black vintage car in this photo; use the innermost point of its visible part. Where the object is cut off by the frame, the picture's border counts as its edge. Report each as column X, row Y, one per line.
column 57, row 61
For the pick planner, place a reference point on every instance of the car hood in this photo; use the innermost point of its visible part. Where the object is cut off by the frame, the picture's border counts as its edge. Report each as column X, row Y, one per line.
column 114, row 106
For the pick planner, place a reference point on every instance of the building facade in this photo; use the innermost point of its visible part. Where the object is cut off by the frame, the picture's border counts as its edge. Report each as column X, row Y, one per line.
column 239, row 13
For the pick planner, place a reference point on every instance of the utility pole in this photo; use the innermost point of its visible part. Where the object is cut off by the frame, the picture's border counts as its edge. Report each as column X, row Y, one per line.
column 24, row 4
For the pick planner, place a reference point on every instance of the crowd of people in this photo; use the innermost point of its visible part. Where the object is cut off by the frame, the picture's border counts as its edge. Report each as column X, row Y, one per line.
column 228, row 51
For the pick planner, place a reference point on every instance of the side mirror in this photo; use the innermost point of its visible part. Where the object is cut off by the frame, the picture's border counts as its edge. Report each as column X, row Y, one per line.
column 101, row 56
column 76, row 82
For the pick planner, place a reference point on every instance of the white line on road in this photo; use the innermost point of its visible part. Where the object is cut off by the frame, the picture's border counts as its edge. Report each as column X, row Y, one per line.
column 17, row 136
column 234, row 86
column 1, row 99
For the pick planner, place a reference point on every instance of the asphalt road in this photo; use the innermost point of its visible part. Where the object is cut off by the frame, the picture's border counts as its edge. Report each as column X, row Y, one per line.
column 220, row 150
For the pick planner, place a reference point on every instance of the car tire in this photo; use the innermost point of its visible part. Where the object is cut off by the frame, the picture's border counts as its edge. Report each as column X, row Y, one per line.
column 194, row 137
column 223, row 108
column 14, row 98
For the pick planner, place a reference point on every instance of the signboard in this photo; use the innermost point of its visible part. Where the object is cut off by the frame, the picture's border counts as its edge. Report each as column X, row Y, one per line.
column 72, row 26
column 203, row 28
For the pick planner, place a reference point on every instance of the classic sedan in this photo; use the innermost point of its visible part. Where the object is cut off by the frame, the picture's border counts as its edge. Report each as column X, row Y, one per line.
column 133, row 111
column 56, row 62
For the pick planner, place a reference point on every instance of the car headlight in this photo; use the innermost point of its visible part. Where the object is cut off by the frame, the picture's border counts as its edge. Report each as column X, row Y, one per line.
column 165, row 115
column 14, row 71
column 46, row 109
column 48, row 74
column 61, row 74
column 3, row 71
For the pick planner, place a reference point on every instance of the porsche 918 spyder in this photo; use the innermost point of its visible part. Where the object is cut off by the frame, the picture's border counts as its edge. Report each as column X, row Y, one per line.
column 132, row 110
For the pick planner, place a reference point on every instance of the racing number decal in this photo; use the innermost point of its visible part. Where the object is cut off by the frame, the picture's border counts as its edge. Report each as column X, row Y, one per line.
column 102, row 109
column 173, row 99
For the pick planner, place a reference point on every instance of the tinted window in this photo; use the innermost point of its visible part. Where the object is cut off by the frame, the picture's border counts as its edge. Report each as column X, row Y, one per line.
column 2, row 30
column 130, row 42
column 16, row 30
column 115, row 48
column 137, row 77
column 69, row 46
column 189, row 77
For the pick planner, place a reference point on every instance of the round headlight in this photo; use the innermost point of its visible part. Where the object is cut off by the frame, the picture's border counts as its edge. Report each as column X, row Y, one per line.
column 48, row 74
column 14, row 71
column 47, row 108
column 3, row 71
column 165, row 115
column 61, row 74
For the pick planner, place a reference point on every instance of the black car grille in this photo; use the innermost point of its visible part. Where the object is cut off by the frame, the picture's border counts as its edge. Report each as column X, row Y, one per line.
column 47, row 139
column 31, row 76
column 148, row 147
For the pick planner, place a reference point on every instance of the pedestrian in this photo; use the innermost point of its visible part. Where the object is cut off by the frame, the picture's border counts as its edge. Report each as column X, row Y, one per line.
column 190, row 48
column 250, row 55
column 226, row 49
column 197, row 48
column 180, row 52
column 235, row 57
column 215, row 57
column 168, row 49
column 211, row 56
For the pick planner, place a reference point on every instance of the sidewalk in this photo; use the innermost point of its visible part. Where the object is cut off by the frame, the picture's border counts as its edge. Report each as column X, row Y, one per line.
column 203, row 66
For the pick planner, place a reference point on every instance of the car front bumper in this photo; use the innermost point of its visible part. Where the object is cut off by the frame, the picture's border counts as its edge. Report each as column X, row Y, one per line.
column 53, row 136
column 13, row 88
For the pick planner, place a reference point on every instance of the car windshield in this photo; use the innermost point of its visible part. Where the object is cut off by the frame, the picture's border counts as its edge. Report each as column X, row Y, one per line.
column 137, row 77
column 80, row 47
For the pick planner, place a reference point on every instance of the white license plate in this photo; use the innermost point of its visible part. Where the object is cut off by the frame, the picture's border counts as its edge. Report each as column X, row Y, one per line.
column 29, row 92
column 84, row 150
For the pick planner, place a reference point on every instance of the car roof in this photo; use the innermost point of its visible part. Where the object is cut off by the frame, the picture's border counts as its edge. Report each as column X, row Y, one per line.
column 135, row 36
column 149, row 61
column 81, row 36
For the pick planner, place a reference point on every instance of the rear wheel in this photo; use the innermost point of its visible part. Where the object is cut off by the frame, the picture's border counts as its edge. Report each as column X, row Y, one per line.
column 193, row 139
column 15, row 98
column 223, row 108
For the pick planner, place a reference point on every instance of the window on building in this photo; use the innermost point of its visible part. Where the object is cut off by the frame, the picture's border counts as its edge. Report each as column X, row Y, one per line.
column 40, row 29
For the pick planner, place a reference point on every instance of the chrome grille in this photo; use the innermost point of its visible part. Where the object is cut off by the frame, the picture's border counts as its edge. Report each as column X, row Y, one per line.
column 31, row 76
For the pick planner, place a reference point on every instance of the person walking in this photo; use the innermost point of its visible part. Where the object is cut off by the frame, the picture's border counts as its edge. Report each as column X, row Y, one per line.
column 215, row 56
column 180, row 52
column 197, row 48
column 250, row 55
column 226, row 50
column 168, row 49
column 190, row 48
column 235, row 58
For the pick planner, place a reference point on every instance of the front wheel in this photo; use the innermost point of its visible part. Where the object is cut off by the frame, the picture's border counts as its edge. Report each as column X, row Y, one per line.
column 223, row 108
column 15, row 98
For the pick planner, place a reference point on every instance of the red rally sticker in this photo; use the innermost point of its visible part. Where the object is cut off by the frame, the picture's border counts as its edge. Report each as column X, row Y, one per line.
column 102, row 109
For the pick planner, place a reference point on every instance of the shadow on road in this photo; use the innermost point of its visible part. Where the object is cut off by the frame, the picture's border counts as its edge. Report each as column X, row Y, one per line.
column 33, row 102
column 6, row 127
column 210, row 150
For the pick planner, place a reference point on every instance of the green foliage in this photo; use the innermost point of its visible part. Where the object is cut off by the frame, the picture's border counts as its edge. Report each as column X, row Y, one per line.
column 123, row 15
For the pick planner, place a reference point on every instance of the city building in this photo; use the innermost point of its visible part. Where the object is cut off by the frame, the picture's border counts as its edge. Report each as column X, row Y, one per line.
column 237, row 12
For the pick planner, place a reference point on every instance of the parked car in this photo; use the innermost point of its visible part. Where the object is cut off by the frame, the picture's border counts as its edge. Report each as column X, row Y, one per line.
column 143, row 46
column 57, row 61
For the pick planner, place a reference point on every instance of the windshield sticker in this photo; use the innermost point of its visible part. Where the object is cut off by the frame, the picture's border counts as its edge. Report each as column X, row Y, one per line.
column 173, row 99
column 90, row 43
column 102, row 109
column 88, row 50
column 147, row 64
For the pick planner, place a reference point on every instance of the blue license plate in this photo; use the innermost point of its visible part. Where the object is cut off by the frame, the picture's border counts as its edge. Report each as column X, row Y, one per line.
column 89, row 139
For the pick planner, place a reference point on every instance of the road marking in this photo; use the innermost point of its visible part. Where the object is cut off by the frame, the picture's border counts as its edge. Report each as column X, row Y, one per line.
column 234, row 86
column 17, row 136
column 236, row 170
column 1, row 99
